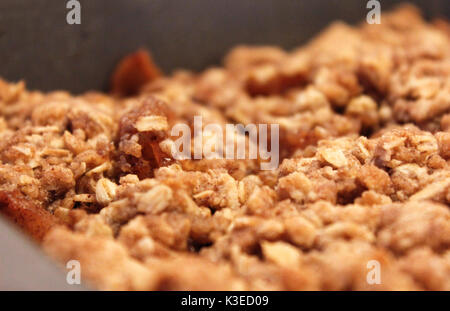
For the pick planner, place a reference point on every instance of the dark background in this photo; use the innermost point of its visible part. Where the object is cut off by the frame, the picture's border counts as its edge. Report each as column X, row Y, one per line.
column 36, row 43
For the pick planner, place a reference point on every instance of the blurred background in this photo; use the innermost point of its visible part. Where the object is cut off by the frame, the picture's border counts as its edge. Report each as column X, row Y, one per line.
column 37, row 44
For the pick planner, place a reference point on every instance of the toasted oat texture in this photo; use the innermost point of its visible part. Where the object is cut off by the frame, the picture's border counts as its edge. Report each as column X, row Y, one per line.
column 364, row 115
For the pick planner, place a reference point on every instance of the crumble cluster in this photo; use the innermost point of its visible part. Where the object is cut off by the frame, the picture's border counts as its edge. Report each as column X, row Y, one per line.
column 364, row 115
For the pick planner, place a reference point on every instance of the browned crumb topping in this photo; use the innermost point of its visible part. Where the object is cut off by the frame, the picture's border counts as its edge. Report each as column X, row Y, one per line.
column 364, row 117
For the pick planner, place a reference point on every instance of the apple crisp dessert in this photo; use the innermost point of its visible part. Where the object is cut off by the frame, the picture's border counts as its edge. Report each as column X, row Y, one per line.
column 364, row 175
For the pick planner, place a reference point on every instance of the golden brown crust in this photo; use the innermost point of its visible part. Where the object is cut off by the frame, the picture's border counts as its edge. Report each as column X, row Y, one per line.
column 35, row 220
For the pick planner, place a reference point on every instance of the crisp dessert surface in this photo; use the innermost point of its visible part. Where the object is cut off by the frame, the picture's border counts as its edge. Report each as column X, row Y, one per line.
column 364, row 116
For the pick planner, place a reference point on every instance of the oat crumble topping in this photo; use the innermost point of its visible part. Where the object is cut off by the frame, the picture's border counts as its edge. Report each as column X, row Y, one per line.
column 364, row 115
